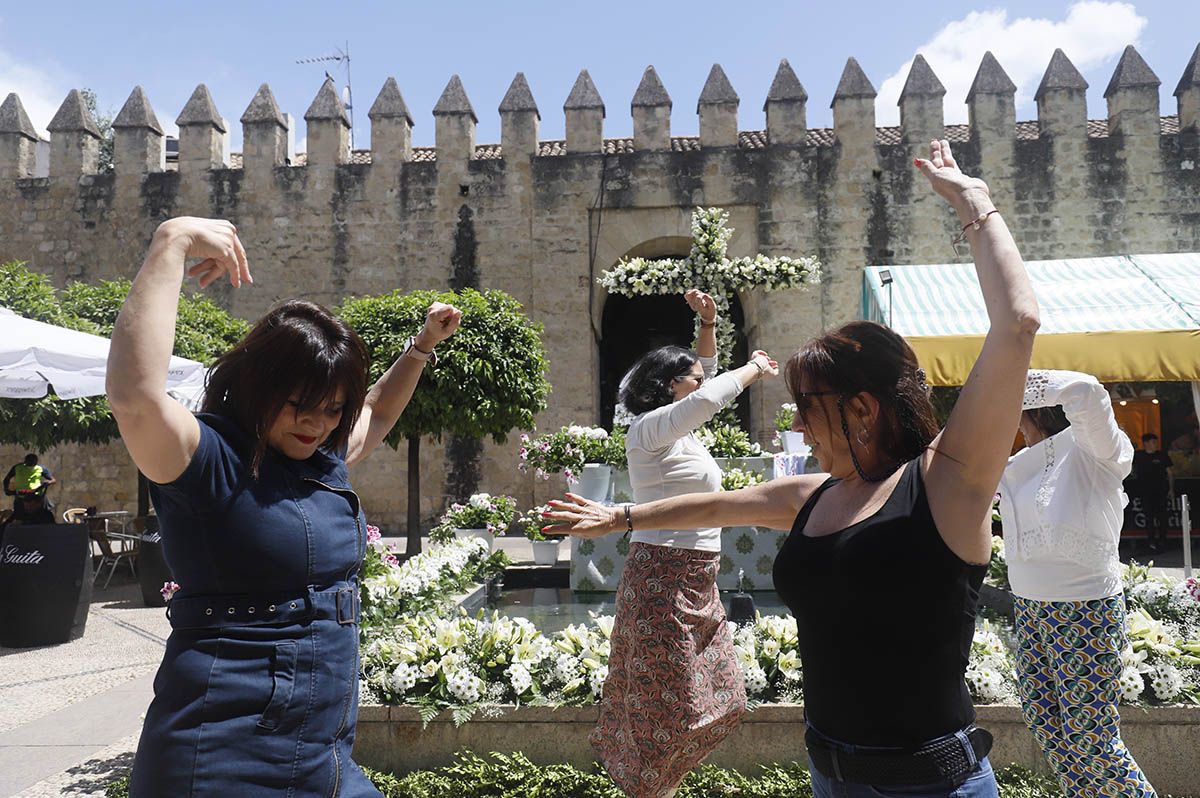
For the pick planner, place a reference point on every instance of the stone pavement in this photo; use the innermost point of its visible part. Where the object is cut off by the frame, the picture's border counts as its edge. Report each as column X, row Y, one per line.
column 70, row 714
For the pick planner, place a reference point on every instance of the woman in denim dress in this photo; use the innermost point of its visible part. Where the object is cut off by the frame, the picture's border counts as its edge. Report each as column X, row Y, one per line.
column 257, row 693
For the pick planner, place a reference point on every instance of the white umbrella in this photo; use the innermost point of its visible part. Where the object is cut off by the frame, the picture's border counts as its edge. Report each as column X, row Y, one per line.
column 35, row 356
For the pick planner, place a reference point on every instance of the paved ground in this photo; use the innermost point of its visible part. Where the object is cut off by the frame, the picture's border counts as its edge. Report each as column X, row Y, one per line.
column 70, row 714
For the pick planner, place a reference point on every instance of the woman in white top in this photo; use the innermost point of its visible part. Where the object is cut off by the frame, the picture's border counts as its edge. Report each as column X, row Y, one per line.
column 674, row 689
column 1062, row 508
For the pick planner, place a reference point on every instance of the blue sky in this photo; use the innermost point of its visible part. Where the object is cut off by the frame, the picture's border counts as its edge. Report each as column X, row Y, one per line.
column 168, row 48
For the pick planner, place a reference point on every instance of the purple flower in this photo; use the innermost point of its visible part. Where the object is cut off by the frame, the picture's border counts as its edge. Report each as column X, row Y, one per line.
column 169, row 589
column 391, row 560
column 373, row 533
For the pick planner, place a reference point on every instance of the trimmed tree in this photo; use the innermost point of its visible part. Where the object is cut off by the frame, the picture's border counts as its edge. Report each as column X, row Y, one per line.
column 490, row 378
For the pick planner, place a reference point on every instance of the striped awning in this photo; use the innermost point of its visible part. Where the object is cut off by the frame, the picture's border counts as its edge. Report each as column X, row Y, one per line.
column 1127, row 317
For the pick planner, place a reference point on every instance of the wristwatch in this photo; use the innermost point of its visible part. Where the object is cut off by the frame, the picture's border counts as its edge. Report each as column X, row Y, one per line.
column 411, row 350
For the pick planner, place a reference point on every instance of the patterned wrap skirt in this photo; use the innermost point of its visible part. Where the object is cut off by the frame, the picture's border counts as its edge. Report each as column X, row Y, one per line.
column 674, row 690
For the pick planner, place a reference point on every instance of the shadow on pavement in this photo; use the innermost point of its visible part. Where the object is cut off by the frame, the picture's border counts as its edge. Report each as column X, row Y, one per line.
column 93, row 776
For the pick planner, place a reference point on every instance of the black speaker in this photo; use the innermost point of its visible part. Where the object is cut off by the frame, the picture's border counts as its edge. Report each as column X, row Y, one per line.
column 45, row 584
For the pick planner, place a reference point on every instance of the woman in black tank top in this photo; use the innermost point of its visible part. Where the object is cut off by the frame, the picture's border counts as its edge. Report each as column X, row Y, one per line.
column 888, row 549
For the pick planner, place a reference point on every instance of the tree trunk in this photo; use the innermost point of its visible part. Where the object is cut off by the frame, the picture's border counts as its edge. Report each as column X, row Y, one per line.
column 414, row 497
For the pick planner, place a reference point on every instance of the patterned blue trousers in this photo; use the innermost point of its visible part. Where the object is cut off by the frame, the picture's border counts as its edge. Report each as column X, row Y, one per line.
column 1068, row 666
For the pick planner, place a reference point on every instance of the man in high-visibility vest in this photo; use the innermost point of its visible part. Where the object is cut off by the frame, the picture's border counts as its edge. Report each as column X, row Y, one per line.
column 24, row 477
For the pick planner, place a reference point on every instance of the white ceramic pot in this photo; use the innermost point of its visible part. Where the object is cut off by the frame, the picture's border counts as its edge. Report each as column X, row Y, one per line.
column 594, row 481
column 482, row 534
column 621, row 491
column 545, row 552
column 793, row 442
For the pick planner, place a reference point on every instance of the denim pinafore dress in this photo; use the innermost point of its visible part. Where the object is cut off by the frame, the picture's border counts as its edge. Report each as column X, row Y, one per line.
column 257, row 694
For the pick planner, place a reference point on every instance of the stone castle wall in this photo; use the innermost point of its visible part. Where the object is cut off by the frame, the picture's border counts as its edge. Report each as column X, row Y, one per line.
column 549, row 216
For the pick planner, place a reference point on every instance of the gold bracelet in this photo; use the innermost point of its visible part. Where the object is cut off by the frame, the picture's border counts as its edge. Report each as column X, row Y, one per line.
column 974, row 224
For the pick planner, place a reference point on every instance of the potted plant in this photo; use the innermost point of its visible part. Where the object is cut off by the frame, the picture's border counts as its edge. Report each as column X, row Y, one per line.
column 545, row 549
column 791, row 442
column 483, row 516
column 737, row 478
column 732, row 447
column 586, row 456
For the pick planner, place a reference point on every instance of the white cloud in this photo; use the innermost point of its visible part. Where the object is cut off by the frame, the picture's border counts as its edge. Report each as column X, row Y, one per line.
column 1092, row 32
column 40, row 92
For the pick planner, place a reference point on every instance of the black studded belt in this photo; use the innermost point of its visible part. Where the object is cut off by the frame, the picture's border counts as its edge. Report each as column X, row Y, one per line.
column 946, row 760
column 206, row 612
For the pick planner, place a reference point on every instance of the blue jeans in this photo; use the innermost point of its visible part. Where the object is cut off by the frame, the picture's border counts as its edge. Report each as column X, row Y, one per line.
column 980, row 783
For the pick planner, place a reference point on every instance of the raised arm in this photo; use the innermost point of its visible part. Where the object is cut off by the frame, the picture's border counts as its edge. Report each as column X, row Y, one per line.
column 390, row 395
column 160, row 434
column 1087, row 406
column 964, row 464
column 773, row 504
column 662, row 426
column 706, row 340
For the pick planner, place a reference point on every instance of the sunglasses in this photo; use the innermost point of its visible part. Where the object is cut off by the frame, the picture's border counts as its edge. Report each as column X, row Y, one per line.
column 803, row 400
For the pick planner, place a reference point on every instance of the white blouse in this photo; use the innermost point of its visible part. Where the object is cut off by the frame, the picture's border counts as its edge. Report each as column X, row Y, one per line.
column 666, row 459
column 1061, row 502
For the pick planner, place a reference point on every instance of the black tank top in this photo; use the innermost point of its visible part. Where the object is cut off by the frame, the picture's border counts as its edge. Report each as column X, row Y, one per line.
column 885, row 614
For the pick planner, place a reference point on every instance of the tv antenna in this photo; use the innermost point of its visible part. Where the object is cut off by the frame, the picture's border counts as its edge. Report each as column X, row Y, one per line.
column 341, row 57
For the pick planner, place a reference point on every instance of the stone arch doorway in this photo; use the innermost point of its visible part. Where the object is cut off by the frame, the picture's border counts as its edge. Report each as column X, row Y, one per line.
column 632, row 326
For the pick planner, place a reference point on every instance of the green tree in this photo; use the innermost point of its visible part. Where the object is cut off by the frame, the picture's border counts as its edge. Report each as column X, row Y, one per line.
column 489, row 379
column 104, row 125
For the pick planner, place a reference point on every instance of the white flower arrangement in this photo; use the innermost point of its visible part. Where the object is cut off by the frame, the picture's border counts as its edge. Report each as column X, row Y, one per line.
column 708, row 268
column 990, row 675
column 767, row 651
column 425, row 581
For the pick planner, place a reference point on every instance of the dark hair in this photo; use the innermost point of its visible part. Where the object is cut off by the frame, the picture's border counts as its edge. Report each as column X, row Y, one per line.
column 298, row 348
column 863, row 356
column 1149, row 436
column 648, row 384
column 1049, row 420
column 31, row 459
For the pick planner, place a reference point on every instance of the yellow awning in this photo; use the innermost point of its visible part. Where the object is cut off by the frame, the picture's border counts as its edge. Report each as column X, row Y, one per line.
column 1131, row 355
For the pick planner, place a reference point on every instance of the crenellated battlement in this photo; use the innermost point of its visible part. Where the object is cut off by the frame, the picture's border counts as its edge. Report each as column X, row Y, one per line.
column 1131, row 95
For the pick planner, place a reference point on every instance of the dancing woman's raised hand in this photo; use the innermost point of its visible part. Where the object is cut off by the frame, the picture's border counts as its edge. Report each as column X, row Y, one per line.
column 961, row 191
column 701, row 304
column 216, row 243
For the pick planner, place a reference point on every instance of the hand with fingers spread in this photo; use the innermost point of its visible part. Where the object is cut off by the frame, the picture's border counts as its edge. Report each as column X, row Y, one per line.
column 702, row 305
column 967, row 195
column 215, row 242
column 582, row 518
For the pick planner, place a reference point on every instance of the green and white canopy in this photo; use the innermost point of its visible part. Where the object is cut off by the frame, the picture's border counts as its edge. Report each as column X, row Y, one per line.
column 1126, row 317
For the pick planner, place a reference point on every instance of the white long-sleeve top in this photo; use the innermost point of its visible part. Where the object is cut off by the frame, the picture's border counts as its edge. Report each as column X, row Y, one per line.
column 666, row 459
column 1061, row 502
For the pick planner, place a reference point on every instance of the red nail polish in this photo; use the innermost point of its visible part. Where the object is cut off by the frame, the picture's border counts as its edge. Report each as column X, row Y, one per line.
column 917, row 162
